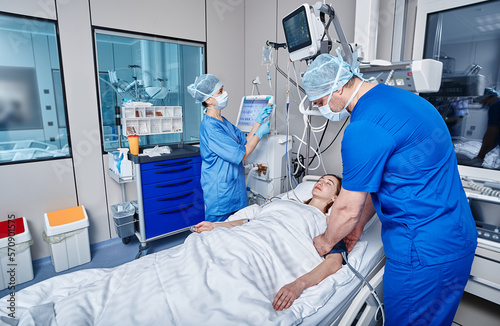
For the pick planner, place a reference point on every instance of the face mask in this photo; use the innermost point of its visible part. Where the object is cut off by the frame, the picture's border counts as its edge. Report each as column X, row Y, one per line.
column 338, row 116
column 222, row 100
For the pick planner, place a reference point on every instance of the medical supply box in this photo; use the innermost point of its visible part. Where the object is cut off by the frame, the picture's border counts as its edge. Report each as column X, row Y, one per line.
column 16, row 265
column 67, row 233
column 123, row 216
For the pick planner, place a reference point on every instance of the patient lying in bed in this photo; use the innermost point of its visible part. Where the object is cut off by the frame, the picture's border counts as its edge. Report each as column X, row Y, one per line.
column 324, row 193
column 222, row 277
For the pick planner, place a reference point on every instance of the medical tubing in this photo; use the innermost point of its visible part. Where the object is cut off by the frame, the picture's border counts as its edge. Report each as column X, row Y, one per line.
column 278, row 69
column 372, row 290
column 319, row 163
column 320, row 140
column 320, row 158
column 338, row 133
column 255, row 168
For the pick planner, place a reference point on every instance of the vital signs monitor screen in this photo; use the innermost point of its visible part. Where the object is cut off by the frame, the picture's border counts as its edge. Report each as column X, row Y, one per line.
column 296, row 30
column 249, row 108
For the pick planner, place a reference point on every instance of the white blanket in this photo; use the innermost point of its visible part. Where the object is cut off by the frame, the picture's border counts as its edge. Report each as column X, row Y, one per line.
column 221, row 277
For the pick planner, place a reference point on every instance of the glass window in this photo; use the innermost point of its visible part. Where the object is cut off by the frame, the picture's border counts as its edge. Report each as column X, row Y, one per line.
column 467, row 41
column 32, row 110
column 137, row 71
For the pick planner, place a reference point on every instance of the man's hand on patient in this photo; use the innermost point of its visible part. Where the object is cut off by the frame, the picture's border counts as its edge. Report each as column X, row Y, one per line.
column 322, row 245
column 203, row 226
column 287, row 295
column 353, row 237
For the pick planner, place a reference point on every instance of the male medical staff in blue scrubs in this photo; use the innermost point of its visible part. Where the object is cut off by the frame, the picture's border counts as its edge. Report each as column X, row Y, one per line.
column 223, row 147
column 398, row 149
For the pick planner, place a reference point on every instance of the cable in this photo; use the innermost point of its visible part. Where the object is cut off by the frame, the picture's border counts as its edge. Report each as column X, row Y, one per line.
column 303, row 142
column 372, row 290
column 320, row 158
column 484, row 190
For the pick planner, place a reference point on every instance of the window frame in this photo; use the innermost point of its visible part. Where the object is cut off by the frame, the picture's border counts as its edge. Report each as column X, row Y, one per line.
column 138, row 36
column 63, row 90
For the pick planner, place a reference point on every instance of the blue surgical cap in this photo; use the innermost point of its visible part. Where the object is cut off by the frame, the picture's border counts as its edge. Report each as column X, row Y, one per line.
column 204, row 86
column 328, row 74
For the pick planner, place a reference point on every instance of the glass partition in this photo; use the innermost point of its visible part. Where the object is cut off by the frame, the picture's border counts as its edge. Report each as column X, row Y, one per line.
column 32, row 110
column 467, row 41
column 141, row 70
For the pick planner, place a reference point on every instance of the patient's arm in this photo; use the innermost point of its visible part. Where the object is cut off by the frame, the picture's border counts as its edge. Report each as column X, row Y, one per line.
column 287, row 294
column 208, row 226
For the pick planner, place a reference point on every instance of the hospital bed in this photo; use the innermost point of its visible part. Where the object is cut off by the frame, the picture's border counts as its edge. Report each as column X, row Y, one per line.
column 181, row 286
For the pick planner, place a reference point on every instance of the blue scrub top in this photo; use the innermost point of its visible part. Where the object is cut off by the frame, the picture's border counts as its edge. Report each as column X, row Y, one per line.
column 398, row 148
column 222, row 148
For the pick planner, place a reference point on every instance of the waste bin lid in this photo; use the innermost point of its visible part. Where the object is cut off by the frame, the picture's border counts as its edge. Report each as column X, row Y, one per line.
column 17, row 228
column 65, row 220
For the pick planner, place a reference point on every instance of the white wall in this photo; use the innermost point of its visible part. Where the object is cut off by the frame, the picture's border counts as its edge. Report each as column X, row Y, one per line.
column 31, row 189
column 235, row 32
column 263, row 21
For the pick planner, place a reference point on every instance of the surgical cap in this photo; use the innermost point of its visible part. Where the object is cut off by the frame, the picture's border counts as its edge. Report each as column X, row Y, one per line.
column 204, row 86
column 327, row 74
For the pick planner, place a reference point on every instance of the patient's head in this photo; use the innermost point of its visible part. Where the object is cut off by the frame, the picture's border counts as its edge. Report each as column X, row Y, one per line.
column 326, row 189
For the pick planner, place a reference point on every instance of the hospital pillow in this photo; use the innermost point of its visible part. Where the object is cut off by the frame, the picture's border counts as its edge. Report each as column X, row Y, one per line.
column 301, row 193
column 304, row 192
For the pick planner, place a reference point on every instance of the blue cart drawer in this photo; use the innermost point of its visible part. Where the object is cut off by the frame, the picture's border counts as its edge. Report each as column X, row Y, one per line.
column 170, row 173
column 171, row 200
column 170, row 163
column 171, row 187
column 175, row 218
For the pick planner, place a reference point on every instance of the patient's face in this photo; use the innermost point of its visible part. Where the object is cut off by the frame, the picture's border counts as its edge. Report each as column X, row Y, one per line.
column 326, row 187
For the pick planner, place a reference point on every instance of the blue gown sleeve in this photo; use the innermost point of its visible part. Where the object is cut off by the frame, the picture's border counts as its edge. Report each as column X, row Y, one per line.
column 224, row 145
column 241, row 135
column 366, row 148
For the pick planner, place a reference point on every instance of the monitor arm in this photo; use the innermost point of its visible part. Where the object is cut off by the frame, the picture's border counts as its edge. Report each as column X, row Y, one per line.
column 321, row 8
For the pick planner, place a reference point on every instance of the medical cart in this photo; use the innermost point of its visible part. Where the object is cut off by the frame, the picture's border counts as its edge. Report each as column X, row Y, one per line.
column 169, row 194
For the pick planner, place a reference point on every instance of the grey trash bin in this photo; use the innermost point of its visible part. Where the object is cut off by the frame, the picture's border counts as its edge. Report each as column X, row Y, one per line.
column 123, row 216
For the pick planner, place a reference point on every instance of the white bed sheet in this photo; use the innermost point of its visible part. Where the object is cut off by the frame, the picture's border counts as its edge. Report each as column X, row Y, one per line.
column 170, row 286
column 340, row 300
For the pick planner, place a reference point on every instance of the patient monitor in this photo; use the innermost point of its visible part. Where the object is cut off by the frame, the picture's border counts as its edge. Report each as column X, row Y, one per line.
column 249, row 108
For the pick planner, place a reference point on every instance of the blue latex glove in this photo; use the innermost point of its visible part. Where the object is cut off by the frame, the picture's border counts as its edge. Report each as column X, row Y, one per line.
column 264, row 113
column 263, row 129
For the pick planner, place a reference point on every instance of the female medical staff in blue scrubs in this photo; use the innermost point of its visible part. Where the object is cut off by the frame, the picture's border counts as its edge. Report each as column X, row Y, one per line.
column 398, row 149
column 223, row 147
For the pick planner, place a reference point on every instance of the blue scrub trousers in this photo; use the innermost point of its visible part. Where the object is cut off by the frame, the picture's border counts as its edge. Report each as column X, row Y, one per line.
column 424, row 295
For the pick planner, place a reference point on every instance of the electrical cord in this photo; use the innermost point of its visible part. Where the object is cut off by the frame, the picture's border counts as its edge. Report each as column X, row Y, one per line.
column 331, row 143
column 372, row 290
column 484, row 190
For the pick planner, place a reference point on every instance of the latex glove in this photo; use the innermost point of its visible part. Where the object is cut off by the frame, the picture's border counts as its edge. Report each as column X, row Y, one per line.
column 263, row 129
column 264, row 113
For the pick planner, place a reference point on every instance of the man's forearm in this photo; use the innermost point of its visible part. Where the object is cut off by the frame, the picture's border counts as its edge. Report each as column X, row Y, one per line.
column 347, row 212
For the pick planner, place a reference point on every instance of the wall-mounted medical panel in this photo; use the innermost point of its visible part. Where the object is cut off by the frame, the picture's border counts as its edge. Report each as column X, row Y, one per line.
column 180, row 19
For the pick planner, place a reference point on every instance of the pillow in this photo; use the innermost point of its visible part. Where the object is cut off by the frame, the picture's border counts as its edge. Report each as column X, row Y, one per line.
column 303, row 192
column 300, row 193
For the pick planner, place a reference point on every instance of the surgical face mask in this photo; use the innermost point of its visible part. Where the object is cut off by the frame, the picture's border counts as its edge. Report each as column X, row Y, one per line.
column 222, row 100
column 338, row 116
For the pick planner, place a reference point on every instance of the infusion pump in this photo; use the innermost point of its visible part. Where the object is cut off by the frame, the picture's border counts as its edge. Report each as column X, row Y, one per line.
column 418, row 76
